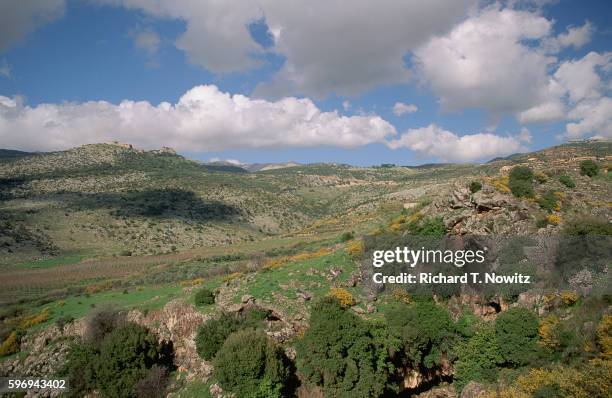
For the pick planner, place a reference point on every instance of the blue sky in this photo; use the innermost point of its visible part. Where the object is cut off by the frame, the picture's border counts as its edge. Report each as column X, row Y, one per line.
column 481, row 79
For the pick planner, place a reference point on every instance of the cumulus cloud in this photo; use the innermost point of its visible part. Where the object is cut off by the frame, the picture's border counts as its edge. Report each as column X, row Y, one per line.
column 235, row 162
column 204, row 119
column 448, row 146
column 329, row 47
column 593, row 117
column 484, row 62
column 18, row 18
column 576, row 37
column 400, row 108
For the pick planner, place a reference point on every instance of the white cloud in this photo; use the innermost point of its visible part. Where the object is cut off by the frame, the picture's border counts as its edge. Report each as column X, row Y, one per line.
column 581, row 78
column 593, row 117
column 448, row 146
column 546, row 112
column 329, row 47
column 484, row 62
column 576, row 37
column 20, row 17
column 346, row 105
column 400, row 108
column 235, row 162
column 203, row 119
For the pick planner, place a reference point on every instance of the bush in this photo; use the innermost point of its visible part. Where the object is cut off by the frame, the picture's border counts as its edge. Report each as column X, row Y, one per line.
column 355, row 249
column 343, row 354
column 520, row 182
column 213, row 333
column 475, row 186
column 204, row 297
column 589, row 168
column 343, row 296
column 80, row 369
column 63, row 321
column 478, row 358
column 429, row 227
column 517, row 331
column 548, row 202
column 425, row 330
column 125, row 355
column 540, row 177
column 523, row 173
column 587, row 225
column 250, row 365
column 10, row 345
column 346, row 236
column 521, row 188
column 567, row 181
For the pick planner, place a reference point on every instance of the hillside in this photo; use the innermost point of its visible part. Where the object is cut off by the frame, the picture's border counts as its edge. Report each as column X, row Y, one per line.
column 108, row 227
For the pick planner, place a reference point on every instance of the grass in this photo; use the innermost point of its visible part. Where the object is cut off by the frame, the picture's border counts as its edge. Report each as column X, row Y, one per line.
column 309, row 275
column 52, row 262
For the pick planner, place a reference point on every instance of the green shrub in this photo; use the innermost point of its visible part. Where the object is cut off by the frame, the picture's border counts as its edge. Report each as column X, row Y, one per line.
column 517, row 330
column 548, row 201
column 429, row 227
column 212, row 334
column 587, row 225
column 343, row 354
column 478, row 358
column 204, row 297
column 475, row 186
column 125, row 355
column 589, row 168
column 63, row 321
column 520, row 182
column 567, row 181
column 521, row 173
column 80, row 369
column 346, row 236
column 250, row 365
column 425, row 330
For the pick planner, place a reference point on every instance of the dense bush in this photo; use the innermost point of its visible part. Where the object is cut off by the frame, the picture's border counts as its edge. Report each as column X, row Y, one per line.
column 116, row 366
column 567, row 181
column 426, row 331
column 521, row 173
column 125, row 355
column 520, row 182
column 153, row 384
column 250, row 365
column 204, row 297
column 341, row 353
column 549, row 202
column 212, row 334
column 475, row 186
column 587, row 225
column 343, row 296
column 589, row 168
column 478, row 358
column 517, row 332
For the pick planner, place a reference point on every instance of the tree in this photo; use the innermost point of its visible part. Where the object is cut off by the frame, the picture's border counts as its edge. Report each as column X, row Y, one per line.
column 589, row 168
column 343, row 354
column 517, row 331
column 250, row 365
column 475, row 186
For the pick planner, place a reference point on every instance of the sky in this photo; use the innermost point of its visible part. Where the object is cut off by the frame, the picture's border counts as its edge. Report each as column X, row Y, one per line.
column 388, row 81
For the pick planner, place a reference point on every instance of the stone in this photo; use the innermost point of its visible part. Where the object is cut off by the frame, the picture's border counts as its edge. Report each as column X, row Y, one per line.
column 247, row 298
column 472, row 390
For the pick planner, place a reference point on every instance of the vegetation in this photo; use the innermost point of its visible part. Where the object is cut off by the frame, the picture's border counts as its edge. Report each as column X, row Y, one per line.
column 567, row 181
column 516, row 331
column 343, row 354
column 475, row 186
column 520, row 182
column 204, row 297
column 251, row 366
column 589, row 168
column 549, row 202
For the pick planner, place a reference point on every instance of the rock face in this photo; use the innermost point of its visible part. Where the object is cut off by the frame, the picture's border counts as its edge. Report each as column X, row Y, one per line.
column 472, row 390
column 178, row 323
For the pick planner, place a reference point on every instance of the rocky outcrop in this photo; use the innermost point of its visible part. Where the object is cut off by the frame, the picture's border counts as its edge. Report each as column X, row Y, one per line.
column 472, row 390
